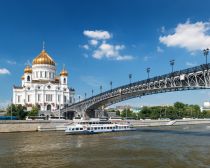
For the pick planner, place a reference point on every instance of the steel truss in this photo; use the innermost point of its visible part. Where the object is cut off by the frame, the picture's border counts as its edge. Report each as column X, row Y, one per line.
column 187, row 79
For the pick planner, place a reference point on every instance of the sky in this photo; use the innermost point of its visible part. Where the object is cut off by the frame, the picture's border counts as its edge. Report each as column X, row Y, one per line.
column 105, row 40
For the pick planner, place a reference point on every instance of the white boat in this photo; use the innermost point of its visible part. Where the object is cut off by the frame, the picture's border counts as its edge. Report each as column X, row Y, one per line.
column 94, row 126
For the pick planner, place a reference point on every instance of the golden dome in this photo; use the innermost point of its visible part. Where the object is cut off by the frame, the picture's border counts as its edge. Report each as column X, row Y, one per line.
column 57, row 78
column 64, row 73
column 43, row 58
column 23, row 77
column 28, row 69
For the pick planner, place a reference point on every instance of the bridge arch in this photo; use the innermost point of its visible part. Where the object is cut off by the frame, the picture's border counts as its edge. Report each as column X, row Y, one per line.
column 189, row 79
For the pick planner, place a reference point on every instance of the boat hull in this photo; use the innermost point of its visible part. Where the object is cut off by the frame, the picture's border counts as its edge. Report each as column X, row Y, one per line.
column 95, row 132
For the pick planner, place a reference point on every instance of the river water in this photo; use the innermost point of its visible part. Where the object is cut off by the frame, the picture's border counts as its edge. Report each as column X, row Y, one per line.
column 160, row 147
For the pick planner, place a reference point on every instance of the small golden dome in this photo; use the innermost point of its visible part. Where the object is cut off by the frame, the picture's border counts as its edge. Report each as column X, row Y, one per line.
column 28, row 69
column 64, row 73
column 23, row 77
column 57, row 78
column 43, row 58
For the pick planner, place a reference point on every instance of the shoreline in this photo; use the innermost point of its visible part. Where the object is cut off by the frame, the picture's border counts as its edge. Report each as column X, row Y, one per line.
column 7, row 126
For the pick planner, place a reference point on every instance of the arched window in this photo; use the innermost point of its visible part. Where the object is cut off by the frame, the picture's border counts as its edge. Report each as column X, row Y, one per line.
column 64, row 80
column 28, row 78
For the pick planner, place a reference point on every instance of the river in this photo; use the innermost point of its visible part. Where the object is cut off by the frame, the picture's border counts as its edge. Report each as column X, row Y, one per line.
column 158, row 147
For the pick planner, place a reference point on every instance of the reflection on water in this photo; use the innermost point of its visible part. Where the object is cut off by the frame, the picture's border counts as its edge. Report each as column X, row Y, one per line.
column 175, row 147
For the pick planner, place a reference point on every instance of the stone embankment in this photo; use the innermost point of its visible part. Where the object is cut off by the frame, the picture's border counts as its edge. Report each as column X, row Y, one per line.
column 47, row 125
column 153, row 123
column 27, row 125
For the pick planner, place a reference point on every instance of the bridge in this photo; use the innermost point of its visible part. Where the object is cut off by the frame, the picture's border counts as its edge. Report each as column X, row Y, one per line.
column 188, row 79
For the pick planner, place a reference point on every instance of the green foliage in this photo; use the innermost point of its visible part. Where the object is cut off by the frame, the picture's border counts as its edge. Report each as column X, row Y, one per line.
column 177, row 111
column 34, row 111
column 129, row 114
column 17, row 110
column 117, row 113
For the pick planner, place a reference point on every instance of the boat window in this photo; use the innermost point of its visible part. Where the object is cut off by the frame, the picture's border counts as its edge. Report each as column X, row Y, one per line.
column 95, row 128
column 72, row 129
column 77, row 128
column 98, row 127
column 102, row 127
column 81, row 128
column 88, row 128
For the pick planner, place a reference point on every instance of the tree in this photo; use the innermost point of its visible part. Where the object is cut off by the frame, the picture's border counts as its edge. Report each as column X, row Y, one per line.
column 34, row 111
column 117, row 113
column 17, row 110
column 128, row 113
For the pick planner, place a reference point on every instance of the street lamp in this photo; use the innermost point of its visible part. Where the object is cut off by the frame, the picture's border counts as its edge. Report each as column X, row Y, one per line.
column 79, row 98
column 85, row 95
column 92, row 92
column 172, row 62
column 130, row 77
column 205, row 53
column 110, row 85
column 11, row 109
column 101, row 88
column 148, row 71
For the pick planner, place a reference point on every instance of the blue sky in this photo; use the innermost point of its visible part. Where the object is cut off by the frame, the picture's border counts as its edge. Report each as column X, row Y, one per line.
column 105, row 40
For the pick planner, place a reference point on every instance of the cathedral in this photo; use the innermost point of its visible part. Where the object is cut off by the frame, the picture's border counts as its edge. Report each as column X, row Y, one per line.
column 41, row 86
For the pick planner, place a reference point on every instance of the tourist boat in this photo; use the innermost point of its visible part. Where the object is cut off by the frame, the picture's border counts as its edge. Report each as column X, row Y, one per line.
column 94, row 126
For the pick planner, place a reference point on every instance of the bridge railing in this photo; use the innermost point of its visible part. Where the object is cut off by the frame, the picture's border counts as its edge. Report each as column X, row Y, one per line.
column 202, row 67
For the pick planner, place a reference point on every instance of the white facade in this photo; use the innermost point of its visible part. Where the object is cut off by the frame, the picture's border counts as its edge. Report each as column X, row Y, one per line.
column 41, row 87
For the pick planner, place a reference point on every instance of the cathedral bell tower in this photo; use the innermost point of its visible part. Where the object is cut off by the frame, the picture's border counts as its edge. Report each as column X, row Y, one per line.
column 64, row 77
column 27, row 78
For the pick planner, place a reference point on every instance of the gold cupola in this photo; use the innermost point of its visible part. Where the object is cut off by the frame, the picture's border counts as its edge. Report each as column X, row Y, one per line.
column 64, row 72
column 57, row 78
column 28, row 69
column 23, row 77
column 43, row 58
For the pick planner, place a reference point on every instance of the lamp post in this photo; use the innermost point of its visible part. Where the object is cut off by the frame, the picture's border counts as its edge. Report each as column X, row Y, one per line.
column 59, row 106
column 79, row 98
column 205, row 53
column 130, row 77
column 110, row 85
column 101, row 88
column 11, row 109
column 92, row 92
column 85, row 95
column 148, row 71
column 172, row 62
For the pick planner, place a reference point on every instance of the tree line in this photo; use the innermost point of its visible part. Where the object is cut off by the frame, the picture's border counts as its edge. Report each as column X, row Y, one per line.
column 20, row 111
column 177, row 111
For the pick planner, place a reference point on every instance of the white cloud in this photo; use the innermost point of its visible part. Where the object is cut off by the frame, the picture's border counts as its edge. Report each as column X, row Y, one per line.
column 146, row 58
column 11, row 62
column 191, row 36
column 93, row 42
column 160, row 50
column 4, row 71
column 100, row 48
column 97, row 34
column 85, row 47
column 191, row 64
column 162, row 29
column 109, row 51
